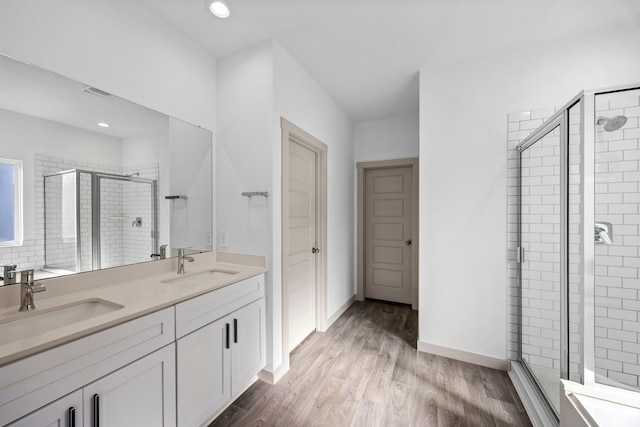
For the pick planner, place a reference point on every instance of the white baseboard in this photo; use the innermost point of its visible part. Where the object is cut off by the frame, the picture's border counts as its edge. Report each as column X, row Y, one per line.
column 339, row 312
column 465, row 356
column 275, row 376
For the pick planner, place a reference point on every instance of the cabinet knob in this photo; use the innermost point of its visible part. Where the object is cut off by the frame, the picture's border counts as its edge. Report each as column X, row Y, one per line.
column 408, row 243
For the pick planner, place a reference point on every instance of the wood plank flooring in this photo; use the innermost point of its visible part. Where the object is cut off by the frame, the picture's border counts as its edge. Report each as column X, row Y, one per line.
column 365, row 371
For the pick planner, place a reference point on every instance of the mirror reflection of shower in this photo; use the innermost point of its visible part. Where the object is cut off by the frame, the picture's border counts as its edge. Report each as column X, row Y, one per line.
column 611, row 124
column 97, row 220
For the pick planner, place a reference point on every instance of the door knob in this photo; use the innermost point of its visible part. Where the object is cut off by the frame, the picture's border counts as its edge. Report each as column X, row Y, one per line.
column 315, row 250
column 408, row 243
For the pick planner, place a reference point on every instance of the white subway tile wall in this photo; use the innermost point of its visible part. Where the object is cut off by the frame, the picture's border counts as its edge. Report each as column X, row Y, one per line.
column 617, row 279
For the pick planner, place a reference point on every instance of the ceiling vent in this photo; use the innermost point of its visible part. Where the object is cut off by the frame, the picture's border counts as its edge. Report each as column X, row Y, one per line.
column 95, row 91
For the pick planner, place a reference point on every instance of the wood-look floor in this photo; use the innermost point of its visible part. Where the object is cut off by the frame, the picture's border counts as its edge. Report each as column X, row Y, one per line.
column 365, row 371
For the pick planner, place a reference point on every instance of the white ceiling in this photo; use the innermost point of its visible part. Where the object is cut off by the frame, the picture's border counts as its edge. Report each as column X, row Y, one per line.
column 366, row 53
column 36, row 92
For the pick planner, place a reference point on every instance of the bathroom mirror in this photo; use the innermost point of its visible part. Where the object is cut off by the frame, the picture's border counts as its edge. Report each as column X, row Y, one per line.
column 104, row 182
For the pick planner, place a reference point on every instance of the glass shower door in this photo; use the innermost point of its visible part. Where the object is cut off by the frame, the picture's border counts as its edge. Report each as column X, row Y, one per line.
column 126, row 220
column 541, row 252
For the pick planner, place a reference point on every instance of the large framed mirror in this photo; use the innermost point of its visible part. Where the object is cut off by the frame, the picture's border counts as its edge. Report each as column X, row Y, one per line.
column 89, row 180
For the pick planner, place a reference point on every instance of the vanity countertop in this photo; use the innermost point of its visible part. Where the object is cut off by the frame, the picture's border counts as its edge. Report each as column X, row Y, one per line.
column 138, row 298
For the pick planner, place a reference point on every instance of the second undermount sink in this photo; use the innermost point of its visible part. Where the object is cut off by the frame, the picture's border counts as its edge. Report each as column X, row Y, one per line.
column 198, row 279
column 25, row 325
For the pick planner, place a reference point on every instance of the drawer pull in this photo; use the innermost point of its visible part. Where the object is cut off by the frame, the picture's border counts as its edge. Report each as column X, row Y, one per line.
column 235, row 331
column 71, row 417
column 96, row 410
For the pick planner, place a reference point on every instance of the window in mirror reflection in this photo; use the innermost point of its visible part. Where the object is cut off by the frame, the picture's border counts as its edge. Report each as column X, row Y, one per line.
column 10, row 202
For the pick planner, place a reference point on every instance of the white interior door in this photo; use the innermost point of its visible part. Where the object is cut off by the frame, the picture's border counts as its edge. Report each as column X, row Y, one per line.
column 388, row 233
column 301, row 259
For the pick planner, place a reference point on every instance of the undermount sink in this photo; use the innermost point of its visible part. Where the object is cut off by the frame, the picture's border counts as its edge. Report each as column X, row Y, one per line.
column 198, row 279
column 28, row 324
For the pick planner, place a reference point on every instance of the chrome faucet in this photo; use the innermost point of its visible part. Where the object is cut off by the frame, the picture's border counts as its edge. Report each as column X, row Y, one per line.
column 181, row 260
column 162, row 254
column 27, row 288
column 9, row 274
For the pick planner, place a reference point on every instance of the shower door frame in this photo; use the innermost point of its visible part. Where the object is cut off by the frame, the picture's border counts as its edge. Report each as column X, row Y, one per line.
column 96, row 178
column 78, row 243
column 95, row 210
column 559, row 120
column 586, row 98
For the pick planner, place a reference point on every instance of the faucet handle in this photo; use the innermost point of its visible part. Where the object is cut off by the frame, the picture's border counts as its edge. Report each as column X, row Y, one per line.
column 163, row 251
column 26, row 276
column 181, row 252
column 38, row 287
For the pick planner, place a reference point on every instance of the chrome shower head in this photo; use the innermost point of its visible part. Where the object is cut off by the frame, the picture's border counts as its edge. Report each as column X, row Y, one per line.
column 611, row 124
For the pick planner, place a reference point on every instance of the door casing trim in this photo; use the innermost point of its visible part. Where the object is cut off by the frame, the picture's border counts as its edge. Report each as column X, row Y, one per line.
column 299, row 136
column 386, row 164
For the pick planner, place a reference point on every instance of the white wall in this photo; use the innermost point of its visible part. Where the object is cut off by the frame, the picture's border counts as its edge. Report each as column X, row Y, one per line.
column 463, row 174
column 190, row 167
column 255, row 88
column 245, row 112
column 300, row 99
column 393, row 138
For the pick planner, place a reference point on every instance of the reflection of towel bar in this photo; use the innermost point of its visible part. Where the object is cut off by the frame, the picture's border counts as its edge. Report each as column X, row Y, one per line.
column 250, row 194
column 175, row 197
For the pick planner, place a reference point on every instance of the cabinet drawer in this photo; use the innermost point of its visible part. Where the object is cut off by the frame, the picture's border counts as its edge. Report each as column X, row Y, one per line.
column 200, row 311
column 31, row 383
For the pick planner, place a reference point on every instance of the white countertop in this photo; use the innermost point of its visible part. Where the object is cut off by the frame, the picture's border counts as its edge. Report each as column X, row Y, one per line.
column 138, row 298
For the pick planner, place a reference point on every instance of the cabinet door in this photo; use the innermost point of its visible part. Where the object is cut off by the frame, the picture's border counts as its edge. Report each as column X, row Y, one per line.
column 248, row 349
column 204, row 386
column 140, row 394
column 64, row 412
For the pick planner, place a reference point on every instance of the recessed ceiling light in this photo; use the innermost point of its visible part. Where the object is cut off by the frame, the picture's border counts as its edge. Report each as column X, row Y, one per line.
column 219, row 8
column 104, row 125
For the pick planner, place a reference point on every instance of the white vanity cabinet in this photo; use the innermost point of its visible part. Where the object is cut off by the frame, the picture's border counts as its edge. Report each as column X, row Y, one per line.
column 139, row 394
column 220, row 348
column 64, row 412
column 131, row 367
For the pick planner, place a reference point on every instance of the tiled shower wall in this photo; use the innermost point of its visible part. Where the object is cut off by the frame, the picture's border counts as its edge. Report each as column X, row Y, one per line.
column 137, row 202
column 617, row 266
column 541, row 237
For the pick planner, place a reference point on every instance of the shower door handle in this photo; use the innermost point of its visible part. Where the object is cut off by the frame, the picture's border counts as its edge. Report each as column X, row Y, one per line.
column 520, row 255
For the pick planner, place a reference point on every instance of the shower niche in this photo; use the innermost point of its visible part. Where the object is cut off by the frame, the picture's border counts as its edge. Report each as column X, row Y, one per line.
column 574, row 247
column 97, row 220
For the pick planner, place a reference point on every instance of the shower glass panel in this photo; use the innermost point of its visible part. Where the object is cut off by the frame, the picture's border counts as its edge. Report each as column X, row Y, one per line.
column 540, row 271
column 617, row 259
column 96, row 220
column 127, row 221
column 578, row 250
column 61, row 233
